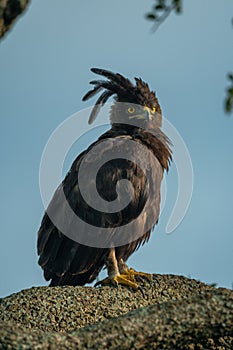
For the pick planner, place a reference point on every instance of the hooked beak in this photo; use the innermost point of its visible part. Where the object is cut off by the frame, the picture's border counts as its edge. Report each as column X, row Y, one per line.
column 147, row 113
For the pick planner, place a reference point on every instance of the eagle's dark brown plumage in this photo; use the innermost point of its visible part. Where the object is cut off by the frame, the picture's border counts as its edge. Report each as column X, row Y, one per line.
column 66, row 262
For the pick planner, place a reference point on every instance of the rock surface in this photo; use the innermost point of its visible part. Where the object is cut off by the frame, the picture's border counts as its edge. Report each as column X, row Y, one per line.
column 171, row 312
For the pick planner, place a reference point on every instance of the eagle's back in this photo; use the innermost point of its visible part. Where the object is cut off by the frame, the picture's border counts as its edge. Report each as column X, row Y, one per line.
column 64, row 260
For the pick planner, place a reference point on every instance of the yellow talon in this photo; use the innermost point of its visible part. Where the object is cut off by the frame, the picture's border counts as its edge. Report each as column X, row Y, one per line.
column 134, row 273
column 126, row 280
column 120, row 273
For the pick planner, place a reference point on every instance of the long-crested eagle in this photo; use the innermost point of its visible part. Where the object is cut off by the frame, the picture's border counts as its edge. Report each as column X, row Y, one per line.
column 135, row 116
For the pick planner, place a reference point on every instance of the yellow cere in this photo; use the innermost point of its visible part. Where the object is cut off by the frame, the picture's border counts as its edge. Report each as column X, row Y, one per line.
column 153, row 110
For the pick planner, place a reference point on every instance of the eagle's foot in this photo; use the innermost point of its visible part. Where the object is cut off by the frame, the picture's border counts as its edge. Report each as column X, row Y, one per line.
column 137, row 275
column 123, row 279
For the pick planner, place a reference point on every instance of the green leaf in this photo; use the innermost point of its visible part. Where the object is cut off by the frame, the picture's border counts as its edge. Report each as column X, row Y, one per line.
column 151, row 16
column 159, row 7
column 228, row 105
column 230, row 76
column 177, row 5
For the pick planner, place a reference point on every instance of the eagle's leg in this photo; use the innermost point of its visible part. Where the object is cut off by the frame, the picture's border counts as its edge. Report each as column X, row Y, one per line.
column 125, row 270
column 114, row 275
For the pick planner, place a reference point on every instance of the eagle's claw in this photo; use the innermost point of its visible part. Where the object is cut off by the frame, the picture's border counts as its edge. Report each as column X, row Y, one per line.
column 127, row 278
column 118, row 279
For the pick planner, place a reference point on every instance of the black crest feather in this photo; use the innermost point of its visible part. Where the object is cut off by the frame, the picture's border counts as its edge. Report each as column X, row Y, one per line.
column 120, row 86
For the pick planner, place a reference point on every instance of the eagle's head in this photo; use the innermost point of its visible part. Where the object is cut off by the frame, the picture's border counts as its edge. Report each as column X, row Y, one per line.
column 134, row 104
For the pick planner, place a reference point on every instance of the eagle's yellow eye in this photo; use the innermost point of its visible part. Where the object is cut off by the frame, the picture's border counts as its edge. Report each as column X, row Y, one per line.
column 153, row 110
column 131, row 110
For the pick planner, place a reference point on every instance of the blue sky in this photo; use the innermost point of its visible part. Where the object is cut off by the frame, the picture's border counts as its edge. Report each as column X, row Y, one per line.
column 44, row 70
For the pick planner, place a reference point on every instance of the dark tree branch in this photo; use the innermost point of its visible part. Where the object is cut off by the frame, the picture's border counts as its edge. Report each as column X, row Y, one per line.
column 229, row 98
column 159, row 13
column 162, row 9
column 228, row 104
column 9, row 11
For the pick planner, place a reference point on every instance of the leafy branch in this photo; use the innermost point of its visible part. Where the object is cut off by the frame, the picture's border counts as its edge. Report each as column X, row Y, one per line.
column 229, row 98
column 9, row 11
column 160, row 11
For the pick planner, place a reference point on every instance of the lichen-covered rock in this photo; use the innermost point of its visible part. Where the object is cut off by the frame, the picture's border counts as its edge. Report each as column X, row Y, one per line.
column 171, row 312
